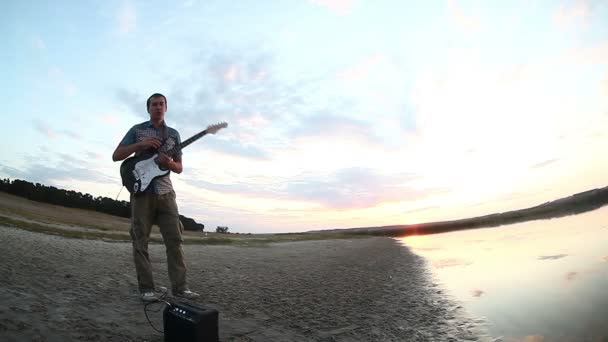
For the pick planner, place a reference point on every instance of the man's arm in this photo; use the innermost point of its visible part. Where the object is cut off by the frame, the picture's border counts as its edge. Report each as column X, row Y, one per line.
column 124, row 150
column 174, row 164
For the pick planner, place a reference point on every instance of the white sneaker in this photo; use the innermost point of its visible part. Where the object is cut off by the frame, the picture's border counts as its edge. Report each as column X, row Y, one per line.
column 187, row 294
column 149, row 296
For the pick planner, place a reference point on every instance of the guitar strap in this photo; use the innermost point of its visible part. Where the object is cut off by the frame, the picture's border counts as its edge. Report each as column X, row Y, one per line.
column 165, row 133
column 164, row 137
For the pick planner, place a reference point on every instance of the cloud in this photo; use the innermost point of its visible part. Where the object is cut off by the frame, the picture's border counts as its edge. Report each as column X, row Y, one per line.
column 10, row 171
column 240, row 188
column 68, row 159
column 552, row 257
column 344, row 189
column 573, row 13
column 238, row 69
column 466, row 21
column 46, row 174
column 237, row 148
column 591, row 54
column 571, row 276
column 543, row 163
column 71, row 134
column 340, row 7
column 126, row 18
column 109, row 119
column 134, row 101
column 94, row 155
column 246, row 88
column 51, row 133
column 363, row 68
column 233, row 86
column 355, row 188
column 421, row 209
column 38, row 43
column 45, row 129
column 477, row 293
column 58, row 77
column 331, row 125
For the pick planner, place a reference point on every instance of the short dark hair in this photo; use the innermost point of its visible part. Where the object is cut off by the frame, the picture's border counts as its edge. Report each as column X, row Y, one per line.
column 153, row 96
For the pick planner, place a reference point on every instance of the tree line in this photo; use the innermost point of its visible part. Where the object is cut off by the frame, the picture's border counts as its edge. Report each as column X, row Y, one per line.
column 73, row 199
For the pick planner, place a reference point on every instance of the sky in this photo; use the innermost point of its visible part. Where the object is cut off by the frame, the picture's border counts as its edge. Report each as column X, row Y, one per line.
column 341, row 113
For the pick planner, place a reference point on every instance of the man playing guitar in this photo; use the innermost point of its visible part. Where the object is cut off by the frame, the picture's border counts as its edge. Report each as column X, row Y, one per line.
column 157, row 204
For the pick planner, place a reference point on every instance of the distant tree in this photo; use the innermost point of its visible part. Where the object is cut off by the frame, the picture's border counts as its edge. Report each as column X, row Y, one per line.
column 221, row 229
column 69, row 198
column 190, row 224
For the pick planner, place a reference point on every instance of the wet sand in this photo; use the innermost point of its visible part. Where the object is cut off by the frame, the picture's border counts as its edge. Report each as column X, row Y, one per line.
column 373, row 289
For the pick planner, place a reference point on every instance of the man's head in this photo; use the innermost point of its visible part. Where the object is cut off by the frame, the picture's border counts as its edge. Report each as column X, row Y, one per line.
column 157, row 106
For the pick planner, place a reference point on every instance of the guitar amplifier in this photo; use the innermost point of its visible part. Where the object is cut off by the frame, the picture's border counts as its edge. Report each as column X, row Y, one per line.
column 185, row 322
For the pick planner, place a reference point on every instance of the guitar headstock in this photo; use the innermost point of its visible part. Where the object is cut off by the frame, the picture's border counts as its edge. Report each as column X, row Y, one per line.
column 212, row 129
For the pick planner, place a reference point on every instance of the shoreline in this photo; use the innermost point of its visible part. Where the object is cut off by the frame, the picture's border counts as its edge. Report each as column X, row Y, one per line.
column 373, row 289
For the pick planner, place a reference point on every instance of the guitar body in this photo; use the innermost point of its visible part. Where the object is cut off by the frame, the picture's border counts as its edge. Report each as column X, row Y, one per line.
column 137, row 173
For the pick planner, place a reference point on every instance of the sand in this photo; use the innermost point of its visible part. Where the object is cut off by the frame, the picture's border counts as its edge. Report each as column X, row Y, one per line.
column 373, row 289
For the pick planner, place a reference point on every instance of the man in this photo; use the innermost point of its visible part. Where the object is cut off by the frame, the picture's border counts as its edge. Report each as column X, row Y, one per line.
column 157, row 204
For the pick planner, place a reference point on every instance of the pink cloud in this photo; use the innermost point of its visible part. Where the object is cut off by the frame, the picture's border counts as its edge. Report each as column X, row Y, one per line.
column 94, row 155
column 571, row 276
column 362, row 69
column 597, row 54
column 340, row 7
column 574, row 13
column 45, row 129
column 237, row 73
column 109, row 119
column 477, row 293
column 466, row 21
column 231, row 73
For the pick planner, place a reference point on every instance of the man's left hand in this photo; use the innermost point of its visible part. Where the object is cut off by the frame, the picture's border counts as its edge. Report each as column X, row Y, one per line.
column 164, row 161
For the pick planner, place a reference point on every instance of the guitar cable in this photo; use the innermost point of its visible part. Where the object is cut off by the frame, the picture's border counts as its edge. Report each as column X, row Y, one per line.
column 158, row 301
column 119, row 192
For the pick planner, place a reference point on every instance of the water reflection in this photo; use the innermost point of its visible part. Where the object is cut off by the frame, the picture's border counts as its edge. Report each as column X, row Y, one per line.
column 532, row 281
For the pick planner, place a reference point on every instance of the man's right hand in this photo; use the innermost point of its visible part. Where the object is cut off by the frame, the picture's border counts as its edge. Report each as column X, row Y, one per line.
column 148, row 142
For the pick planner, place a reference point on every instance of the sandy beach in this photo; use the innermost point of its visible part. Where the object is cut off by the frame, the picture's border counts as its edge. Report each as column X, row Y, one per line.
column 54, row 288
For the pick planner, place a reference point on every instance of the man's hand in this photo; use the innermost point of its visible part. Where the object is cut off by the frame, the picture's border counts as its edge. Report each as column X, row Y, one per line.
column 164, row 161
column 148, row 142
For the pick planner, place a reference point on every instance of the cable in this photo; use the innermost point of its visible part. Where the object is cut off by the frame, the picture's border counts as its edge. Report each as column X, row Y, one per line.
column 146, row 313
column 159, row 300
column 119, row 192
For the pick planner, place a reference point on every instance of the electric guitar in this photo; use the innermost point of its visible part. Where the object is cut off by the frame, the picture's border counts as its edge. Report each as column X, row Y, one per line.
column 138, row 172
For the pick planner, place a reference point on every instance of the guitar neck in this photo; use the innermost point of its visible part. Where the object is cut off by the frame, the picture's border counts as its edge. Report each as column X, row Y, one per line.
column 186, row 142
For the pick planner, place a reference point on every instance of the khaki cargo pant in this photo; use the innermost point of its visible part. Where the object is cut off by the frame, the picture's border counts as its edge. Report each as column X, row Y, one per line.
column 146, row 210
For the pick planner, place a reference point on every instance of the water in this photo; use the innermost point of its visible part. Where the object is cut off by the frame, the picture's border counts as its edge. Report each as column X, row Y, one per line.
column 534, row 281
